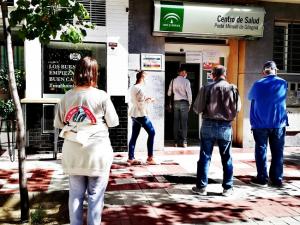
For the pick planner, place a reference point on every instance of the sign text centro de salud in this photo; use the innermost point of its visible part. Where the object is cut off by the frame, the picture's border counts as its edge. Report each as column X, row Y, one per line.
column 251, row 23
column 206, row 19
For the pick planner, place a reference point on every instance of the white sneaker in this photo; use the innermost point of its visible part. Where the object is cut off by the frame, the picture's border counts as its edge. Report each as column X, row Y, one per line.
column 227, row 192
column 199, row 191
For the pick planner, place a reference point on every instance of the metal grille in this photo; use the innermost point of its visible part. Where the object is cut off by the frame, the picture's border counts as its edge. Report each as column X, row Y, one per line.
column 97, row 11
column 18, row 53
column 286, row 52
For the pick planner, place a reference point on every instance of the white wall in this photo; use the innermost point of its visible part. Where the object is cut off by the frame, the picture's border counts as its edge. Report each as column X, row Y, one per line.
column 117, row 58
column 33, row 68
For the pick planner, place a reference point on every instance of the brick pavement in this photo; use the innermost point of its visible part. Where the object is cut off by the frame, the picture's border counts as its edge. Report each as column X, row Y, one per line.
column 161, row 194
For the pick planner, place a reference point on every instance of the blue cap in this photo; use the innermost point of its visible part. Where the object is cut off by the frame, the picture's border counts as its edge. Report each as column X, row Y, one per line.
column 270, row 65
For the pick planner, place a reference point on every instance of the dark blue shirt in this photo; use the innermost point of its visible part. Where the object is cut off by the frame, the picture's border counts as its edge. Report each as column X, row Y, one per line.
column 268, row 103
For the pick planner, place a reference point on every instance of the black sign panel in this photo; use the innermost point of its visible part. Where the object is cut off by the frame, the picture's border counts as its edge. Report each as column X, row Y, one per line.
column 10, row 2
column 59, row 67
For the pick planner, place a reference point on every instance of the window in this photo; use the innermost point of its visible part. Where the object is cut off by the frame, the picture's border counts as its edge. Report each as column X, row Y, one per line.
column 286, row 52
column 48, row 117
column 18, row 54
column 293, row 87
column 18, row 51
column 97, row 11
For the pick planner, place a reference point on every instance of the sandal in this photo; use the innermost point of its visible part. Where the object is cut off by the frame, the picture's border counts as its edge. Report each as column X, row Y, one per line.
column 151, row 162
column 134, row 162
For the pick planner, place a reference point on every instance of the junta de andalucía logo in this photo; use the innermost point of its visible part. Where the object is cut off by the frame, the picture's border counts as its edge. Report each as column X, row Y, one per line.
column 171, row 17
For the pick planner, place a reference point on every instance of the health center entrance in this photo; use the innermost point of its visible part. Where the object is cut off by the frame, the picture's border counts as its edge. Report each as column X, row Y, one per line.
column 197, row 60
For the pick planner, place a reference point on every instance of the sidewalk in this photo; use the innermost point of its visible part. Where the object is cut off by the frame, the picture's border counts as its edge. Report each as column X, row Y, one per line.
column 161, row 194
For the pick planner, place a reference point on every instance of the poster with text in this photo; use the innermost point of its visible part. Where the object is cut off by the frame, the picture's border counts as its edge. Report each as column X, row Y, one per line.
column 59, row 66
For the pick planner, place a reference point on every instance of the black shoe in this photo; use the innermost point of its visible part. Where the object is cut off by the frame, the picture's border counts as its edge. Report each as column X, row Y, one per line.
column 259, row 183
column 276, row 184
column 199, row 191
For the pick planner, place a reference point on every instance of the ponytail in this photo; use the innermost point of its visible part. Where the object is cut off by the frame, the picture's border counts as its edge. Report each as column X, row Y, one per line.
column 140, row 75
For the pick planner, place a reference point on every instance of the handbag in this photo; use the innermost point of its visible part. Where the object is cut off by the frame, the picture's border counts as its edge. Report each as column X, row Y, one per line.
column 169, row 106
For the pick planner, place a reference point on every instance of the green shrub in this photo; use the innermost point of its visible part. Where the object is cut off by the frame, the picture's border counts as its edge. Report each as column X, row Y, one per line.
column 20, row 80
column 7, row 109
column 38, row 216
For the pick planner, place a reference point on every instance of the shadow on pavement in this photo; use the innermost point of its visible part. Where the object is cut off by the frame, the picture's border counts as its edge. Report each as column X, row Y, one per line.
column 168, row 214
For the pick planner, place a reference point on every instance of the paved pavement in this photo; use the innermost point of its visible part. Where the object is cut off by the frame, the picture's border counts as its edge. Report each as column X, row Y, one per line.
column 161, row 194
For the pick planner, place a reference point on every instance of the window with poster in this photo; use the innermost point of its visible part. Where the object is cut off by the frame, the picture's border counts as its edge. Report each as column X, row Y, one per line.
column 59, row 61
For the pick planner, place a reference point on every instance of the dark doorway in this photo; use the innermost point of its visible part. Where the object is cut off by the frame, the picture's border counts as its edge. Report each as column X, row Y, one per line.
column 171, row 72
column 193, row 71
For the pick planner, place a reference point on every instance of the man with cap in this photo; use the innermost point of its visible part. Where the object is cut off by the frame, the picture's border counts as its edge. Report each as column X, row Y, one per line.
column 219, row 103
column 268, row 118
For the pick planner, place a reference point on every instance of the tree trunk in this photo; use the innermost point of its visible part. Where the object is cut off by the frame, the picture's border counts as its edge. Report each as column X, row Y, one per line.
column 19, row 116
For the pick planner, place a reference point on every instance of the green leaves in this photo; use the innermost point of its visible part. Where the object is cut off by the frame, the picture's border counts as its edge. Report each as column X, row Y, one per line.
column 43, row 19
column 19, row 76
column 7, row 108
column 72, row 34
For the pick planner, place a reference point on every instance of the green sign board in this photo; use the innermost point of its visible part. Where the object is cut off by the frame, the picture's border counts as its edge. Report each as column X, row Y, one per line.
column 191, row 19
column 171, row 16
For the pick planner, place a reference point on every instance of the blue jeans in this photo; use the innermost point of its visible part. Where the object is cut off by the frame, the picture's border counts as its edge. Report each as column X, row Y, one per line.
column 276, row 138
column 95, row 188
column 180, row 124
column 221, row 132
column 137, row 124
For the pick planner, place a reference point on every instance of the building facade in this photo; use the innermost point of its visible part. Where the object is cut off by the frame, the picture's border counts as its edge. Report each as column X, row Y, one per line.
column 131, row 35
column 270, row 32
column 49, row 70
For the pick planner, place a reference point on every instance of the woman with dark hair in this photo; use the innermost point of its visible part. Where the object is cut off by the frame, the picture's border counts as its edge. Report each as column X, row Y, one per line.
column 139, row 115
column 84, row 115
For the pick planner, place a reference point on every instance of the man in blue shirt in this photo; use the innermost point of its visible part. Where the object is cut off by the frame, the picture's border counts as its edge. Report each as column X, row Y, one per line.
column 268, row 118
